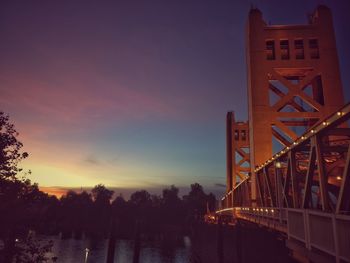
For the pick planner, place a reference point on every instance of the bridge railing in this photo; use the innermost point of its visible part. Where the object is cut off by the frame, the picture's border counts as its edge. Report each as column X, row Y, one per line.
column 320, row 231
column 271, row 217
column 314, row 230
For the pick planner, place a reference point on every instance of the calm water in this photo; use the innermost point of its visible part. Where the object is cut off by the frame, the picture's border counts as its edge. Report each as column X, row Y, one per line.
column 74, row 251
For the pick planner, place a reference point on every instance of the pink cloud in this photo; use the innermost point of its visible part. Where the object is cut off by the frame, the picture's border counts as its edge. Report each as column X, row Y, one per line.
column 75, row 102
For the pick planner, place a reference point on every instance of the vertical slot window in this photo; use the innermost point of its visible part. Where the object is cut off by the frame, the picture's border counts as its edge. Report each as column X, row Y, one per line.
column 314, row 51
column 236, row 135
column 243, row 135
column 284, row 46
column 299, row 48
column 270, row 50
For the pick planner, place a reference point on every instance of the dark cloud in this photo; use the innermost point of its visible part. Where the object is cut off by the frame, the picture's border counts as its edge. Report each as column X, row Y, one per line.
column 91, row 159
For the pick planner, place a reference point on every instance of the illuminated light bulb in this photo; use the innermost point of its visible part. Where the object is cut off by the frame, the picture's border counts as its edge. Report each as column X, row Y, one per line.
column 272, row 210
column 302, row 137
column 295, row 143
column 289, row 147
column 266, row 210
column 312, row 131
column 324, row 123
column 338, row 178
column 339, row 113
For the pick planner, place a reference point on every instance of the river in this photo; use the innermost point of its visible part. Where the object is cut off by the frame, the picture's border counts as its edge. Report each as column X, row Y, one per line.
column 95, row 250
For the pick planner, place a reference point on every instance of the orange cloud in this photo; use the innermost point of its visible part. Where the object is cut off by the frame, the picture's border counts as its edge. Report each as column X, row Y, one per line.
column 56, row 191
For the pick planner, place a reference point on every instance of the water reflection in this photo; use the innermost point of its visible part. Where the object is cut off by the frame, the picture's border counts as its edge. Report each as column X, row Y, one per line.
column 152, row 251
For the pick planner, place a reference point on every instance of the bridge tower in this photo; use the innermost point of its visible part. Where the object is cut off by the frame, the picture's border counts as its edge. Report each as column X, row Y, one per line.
column 293, row 81
column 237, row 147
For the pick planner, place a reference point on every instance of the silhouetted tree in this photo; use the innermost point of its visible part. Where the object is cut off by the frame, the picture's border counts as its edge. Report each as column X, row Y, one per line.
column 101, row 209
column 172, row 208
column 141, row 198
column 123, row 216
column 211, row 200
column 10, row 148
column 21, row 202
column 156, row 201
column 101, row 194
column 141, row 209
column 75, row 213
column 119, row 200
column 33, row 251
column 120, row 208
column 170, row 195
column 196, row 201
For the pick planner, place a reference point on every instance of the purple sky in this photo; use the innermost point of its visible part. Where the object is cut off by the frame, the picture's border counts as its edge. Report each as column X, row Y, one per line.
column 133, row 94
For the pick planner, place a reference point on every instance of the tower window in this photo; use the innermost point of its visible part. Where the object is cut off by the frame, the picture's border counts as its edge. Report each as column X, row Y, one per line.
column 314, row 51
column 299, row 48
column 270, row 50
column 243, row 135
column 284, row 45
column 236, row 135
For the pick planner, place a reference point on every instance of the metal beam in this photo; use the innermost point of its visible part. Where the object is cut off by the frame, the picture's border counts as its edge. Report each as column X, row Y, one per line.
column 287, row 182
column 309, row 176
column 322, row 180
column 343, row 202
column 268, row 184
column 293, row 174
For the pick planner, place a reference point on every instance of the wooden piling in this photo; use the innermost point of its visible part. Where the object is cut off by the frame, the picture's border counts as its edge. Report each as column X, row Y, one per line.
column 239, row 241
column 220, row 242
column 137, row 243
column 111, row 242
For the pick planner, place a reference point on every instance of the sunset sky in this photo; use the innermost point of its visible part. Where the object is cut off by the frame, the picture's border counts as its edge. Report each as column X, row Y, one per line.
column 133, row 94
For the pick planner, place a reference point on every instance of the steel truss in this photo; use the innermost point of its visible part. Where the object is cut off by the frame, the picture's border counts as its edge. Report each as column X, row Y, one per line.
column 304, row 191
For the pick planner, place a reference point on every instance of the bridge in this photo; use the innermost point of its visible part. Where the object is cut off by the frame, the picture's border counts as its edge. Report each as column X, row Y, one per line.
column 288, row 166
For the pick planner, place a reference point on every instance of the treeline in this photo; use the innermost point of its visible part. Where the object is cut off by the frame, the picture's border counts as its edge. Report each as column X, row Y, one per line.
column 96, row 212
column 23, row 206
